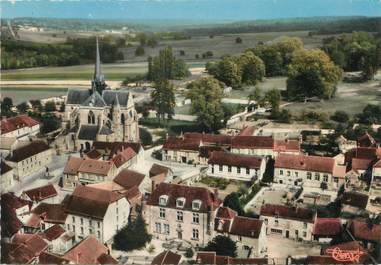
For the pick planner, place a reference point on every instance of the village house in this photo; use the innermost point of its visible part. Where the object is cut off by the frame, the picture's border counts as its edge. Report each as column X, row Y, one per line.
column 50, row 214
column 97, row 212
column 20, row 127
column 129, row 179
column 89, row 251
column 265, row 146
column 375, row 187
column 248, row 233
column 325, row 229
column 289, row 222
column 367, row 233
column 309, row 171
column 6, row 173
column 44, row 193
column 29, row 159
column 211, row 258
column 167, row 258
column 59, row 241
column 236, row 167
column 23, row 249
column 182, row 213
column 87, row 171
column 159, row 174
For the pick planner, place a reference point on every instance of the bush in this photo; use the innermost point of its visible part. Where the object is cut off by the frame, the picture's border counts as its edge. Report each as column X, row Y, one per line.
column 145, row 136
column 50, row 106
column 223, row 246
column 139, row 51
column 238, row 40
column 189, row 253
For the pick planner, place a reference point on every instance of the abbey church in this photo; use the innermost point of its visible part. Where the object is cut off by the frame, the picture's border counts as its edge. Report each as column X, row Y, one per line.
column 99, row 114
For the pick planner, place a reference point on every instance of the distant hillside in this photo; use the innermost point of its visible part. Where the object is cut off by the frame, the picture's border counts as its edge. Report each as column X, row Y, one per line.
column 317, row 25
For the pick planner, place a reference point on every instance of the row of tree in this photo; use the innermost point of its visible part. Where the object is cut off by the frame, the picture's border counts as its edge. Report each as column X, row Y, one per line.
column 21, row 54
column 358, row 51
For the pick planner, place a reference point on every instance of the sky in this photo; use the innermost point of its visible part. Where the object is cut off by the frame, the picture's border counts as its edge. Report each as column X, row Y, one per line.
column 223, row 10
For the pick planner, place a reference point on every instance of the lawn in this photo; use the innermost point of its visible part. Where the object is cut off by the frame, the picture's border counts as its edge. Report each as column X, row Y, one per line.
column 173, row 127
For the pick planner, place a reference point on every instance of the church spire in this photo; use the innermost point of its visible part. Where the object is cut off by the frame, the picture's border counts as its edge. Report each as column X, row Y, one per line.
column 97, row 70
column 98, row 83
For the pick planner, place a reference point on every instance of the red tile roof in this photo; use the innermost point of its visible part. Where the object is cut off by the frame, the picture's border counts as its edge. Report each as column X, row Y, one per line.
column 54, row 232
column 363, row 231
column 93, row 154
column 355, row 199
column 88, row 201
column 10, row 224
column 96, row 167
column 306, row 163
column 123, row 156
column 287, row 145
column 129, row 178
column 50, row 258
column 245, row 226
column 361, row 163
column 219, row 139
column 173, row 143
column 210, row 258
column 166, row 258
column 51, row 213
column 173, row 191
column 106, row 259
column 230, row 159
column 327, row 227
column 16, row 254
column 18, row 122
column 293, row 213
column 72, row 165
column 247, row 131
column 226, row 213
column 366, row 140
column 112, row 148
column 378, row 164
column 27, row 151
column 253, row 142
column 157, row 169
column 33, row 242
column 352, row 245
column 323, row 260
column 88, row 251
column 41, row 193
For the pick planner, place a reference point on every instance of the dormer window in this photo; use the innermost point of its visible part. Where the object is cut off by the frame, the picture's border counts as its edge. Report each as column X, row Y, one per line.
column 180, row 202
column 196, row 205
column 163, row 200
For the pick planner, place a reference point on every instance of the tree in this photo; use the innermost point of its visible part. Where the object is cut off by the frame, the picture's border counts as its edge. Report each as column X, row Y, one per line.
column 232, row 201
column 139, row 51
column 252, row 68
column 166, row 66
column 50, row 106
column 238, row 40
column 132, row 236
column 163, row 99
column 6, row 106
column 206, row 96
column 312, row 74
column 340, row 116
column 49, row 123
column 273, row 98
column 223, row 246
column 22, row 107
column 229, row 72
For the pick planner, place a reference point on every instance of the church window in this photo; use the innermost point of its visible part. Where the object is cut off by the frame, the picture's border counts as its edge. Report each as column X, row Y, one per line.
column 91, row 118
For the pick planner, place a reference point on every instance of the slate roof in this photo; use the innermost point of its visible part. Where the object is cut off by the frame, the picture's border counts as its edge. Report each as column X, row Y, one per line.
column 95, row 100
column 18, row 122
column 293, row 213
column 109, row 96
column 105, row 130
column 77, row 96
column 166, row 258
column 41, row 193
column 4, row 167
column 92, row 202
column 28, row 150
column 88, row 132
column 173, row 191
column 230, row 159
